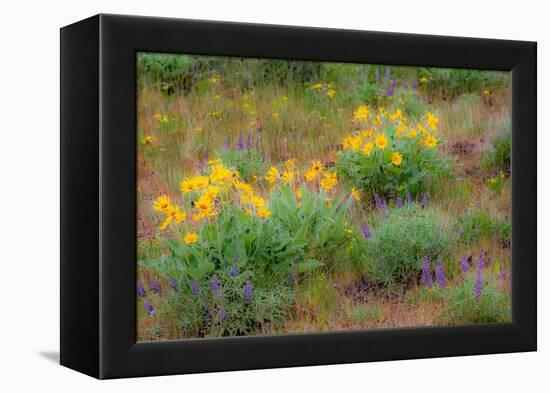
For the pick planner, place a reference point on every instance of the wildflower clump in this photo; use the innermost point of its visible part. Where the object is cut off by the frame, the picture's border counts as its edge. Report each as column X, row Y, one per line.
column 389, row 153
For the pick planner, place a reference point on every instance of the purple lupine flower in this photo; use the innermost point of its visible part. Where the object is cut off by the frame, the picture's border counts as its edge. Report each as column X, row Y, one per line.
column 394, row 82
column 440, row 275
column 248, row 292
column 408, row 196
column 249, row 141
column 399, row 202
column 380, row 204
column 427, row 272
column 389, row 91
column 387, row 73
column 234, row 271
column 365, row 231
column 141, row 292
column 215, row 284
column 240, row 142
column 481, row 260
column 501, row 273
column 195, row 288
column 415, row 85
column 173, row 284
column 155, row 285
column 222, row 314
column 479, row 284
column 464, row 264
column 149, row 307
column 425, row 199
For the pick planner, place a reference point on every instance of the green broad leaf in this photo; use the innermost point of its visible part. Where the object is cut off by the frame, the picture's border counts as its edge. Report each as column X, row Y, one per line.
column 308, row 266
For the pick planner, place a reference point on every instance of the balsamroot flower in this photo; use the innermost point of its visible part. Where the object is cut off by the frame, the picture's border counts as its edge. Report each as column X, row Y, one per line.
column 248, row 292
column 464, row 264
column 479, row 284
column 365, row 231
column 149, row 307
column 440, row 275
column 155, row 285
column 427, row 272
column 141, row 292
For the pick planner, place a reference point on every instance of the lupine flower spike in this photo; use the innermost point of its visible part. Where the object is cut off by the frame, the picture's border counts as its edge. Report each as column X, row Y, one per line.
column 425, row 199
column 464, row 264
column 141, row 292
column 481, row 260
column 234, row 271
column 408, row 196
column 195, row 288
column 440, row 275
column 248, row 292
column 149, row 308
column 501, row 273
column 479, row 284
column 173, row 284
column 365, row 231
column 399, row 202
column 222, row 314
column 155, row 285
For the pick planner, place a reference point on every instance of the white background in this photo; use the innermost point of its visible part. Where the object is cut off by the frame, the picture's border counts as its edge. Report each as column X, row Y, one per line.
column 29, row 181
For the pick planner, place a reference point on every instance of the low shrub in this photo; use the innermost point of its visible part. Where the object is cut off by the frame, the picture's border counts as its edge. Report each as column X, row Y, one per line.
column 464, row 307
column 497, row 158
column 398, row 243
column 477, row 224
column 364, row 313
column 247, row 161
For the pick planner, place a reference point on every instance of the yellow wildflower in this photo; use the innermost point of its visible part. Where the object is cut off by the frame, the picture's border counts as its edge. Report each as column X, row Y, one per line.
column 317, row 166
column 272, row 175
column 331, row 93
column 263, row 212
column 190, row 238
column 381, row 141
column 298, row 193
column 397, row 115
column 396, row 158
column 424, row 79
column 204, row 205
column 317, row 86
column 187, row 185
column 165, row 223
column 367, row 149
column 355, row 194
column 422, row 129
column 432, row 120
column 148, row 140
column 198, row 129
column 378, row 121
column 310, row 175
column 329, row 181
column 199, row 182
column 430, row 141
column 162, row 203
column 220, row 175
column 356, row 142
column 361, row 113
column 243, row 187
column 290, row 164
column 287, row 176
column 212, row 192
column 412, row 133
column 368, row 133
column 486, row 92
column 346, row 142
column 158, row 117
column 401, row 128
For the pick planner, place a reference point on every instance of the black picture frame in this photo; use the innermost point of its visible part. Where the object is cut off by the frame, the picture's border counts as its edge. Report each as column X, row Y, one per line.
column 98, row 196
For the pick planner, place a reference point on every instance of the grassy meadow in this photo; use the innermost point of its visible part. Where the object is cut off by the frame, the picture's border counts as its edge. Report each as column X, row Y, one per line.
column 285, row 196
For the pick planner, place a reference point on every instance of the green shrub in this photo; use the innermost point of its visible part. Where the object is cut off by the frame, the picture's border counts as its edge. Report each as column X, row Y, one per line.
column 248, row 162
column 497, row 158
column 398, row 243
column 364, row 313
column 477, row 224
column 319, row 223
column 463, row 307
column 219, row 305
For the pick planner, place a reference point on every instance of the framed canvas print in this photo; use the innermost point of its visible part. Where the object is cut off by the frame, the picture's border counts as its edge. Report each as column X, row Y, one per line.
column 240, row 196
